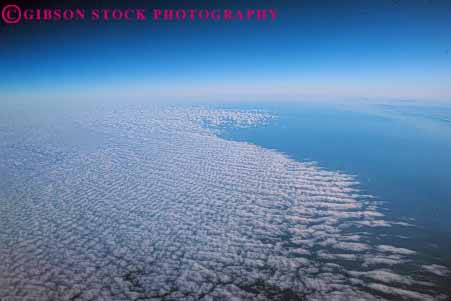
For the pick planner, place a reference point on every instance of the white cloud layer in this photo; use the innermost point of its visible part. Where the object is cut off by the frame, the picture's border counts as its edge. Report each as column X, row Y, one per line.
column 160, row 207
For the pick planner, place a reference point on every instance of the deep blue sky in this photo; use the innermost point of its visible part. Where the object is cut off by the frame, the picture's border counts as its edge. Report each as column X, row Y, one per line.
column 336, row 48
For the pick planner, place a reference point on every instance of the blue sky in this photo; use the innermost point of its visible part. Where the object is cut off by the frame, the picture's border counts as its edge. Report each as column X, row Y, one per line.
column 392, row 49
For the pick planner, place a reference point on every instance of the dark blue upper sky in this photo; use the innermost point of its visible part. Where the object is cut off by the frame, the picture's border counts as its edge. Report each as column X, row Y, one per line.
column 335, row 48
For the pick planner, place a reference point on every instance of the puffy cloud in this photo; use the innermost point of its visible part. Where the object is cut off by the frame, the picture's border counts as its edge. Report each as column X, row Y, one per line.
column 436, row 269
column 395, row 250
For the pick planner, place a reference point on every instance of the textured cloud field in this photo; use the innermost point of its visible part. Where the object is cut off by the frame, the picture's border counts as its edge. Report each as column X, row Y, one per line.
column 150, row 203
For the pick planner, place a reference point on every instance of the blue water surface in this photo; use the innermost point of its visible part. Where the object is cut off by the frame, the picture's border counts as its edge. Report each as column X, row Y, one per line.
column 400, row 153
